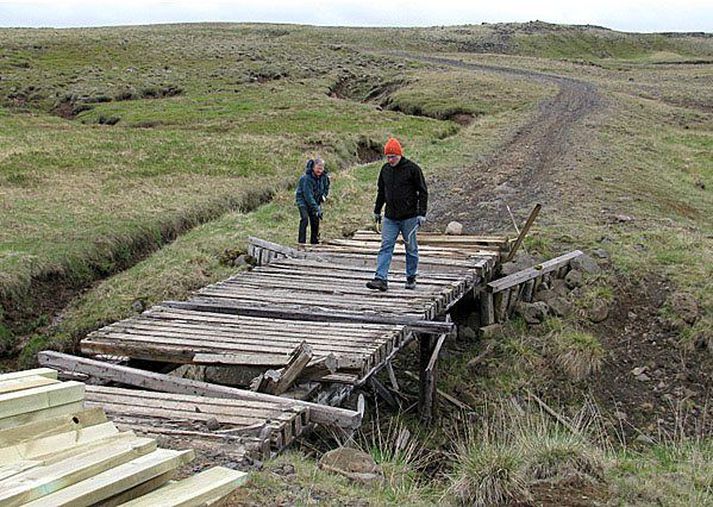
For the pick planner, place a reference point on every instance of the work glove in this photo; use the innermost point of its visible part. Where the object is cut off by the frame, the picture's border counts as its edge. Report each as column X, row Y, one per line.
column 377, row 218
column 320, row 214
column 421, row 221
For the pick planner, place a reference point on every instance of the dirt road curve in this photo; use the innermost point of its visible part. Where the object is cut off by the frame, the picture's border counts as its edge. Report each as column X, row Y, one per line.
column 519, row 173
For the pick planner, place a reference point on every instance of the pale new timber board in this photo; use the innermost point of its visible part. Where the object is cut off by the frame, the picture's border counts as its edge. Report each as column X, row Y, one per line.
column 214, row 483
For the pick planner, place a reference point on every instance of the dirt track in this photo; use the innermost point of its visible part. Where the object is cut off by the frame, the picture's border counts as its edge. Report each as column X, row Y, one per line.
column 519, row 173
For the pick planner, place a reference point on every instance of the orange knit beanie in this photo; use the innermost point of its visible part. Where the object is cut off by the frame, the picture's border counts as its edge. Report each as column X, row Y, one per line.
column 393, row 147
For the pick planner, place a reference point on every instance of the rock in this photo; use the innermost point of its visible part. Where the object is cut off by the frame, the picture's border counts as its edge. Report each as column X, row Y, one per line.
column 544, row 295
column 491, row 331
column 599, row 311
column 284, row 469
column 600, row 253
column 241, row 261
column 559, row 287
column 643, row 377
column 638, row 370
column 643, row 439
column 560, row 307
column 522, row 261
column 685, row 307
column 466, row 333
column 624, row 218
column 454, row 228
column 573, row 279
column 585, row 263
column 351, row 463
column 138, row 306
column 533, row 313
column 212, row 424
column 473, row 320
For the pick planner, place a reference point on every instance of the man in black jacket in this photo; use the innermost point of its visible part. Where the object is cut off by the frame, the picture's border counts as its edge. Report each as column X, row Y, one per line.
column 403, row 189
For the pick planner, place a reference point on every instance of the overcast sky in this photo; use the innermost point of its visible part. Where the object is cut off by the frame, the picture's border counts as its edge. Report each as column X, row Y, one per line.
column 628, row 15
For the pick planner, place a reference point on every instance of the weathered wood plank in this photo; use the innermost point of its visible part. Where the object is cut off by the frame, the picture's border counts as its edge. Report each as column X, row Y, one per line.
column 319, row 414
column 315, row 314
column 533, row 272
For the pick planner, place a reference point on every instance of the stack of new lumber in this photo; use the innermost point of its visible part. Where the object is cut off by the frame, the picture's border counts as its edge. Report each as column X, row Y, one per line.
column 55, row 452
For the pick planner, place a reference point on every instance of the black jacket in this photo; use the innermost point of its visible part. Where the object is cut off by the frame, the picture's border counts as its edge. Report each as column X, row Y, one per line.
column 403, row 189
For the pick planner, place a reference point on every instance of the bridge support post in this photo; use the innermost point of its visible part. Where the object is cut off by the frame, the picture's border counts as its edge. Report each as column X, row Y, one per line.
column 427, row 382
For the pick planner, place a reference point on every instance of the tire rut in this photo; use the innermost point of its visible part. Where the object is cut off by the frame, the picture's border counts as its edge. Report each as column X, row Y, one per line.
column 520, row 172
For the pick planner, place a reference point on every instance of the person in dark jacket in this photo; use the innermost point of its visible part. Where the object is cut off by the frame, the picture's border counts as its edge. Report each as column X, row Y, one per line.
column 403, row 189
column 312, row 191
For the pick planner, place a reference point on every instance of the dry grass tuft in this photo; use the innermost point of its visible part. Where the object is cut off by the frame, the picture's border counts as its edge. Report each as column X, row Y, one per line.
column 578, row 353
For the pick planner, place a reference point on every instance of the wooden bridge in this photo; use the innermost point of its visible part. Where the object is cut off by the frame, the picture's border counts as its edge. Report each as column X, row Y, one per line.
column 303, row 326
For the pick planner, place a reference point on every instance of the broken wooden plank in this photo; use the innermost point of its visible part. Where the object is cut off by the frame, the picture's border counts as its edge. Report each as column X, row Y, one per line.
column 526, row 228
column 287, row 376
column 319, row 414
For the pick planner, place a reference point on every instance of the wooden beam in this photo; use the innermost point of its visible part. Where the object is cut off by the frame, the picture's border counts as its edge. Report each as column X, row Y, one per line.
column 530, row 220
column 40, row 481
column 51, row 426
column 278, row 381
column 528, row 274
column 487, row 310
column 382, row 391
column 275, row 247
column 111, row 482
column 425, row 398
column 39, row 398
column 214, row 483
column 20, row 384
column 40, row 415
column 236, row 308
column 319, row 414
column 41, row 372
column 37, row 447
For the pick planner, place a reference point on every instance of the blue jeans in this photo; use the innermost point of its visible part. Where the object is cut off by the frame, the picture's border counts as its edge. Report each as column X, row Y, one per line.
column 390, row 230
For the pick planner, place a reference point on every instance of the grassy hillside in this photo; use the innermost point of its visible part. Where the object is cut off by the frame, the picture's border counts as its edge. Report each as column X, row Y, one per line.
column 135, row 162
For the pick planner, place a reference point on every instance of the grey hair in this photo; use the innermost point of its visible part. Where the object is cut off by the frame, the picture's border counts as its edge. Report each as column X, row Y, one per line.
column 318, row 161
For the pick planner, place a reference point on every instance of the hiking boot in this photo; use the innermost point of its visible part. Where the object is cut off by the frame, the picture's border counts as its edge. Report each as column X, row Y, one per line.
column 411, row 283
column 377, row 284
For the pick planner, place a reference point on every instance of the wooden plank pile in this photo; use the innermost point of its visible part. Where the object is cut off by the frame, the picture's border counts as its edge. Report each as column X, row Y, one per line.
column 499, row 298
column 54, row 451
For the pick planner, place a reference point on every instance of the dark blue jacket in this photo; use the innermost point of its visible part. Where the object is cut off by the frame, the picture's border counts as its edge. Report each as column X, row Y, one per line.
column 311, row 190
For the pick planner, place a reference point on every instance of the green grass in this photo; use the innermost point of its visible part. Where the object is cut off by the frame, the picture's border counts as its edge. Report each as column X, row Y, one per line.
column 172, row 192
